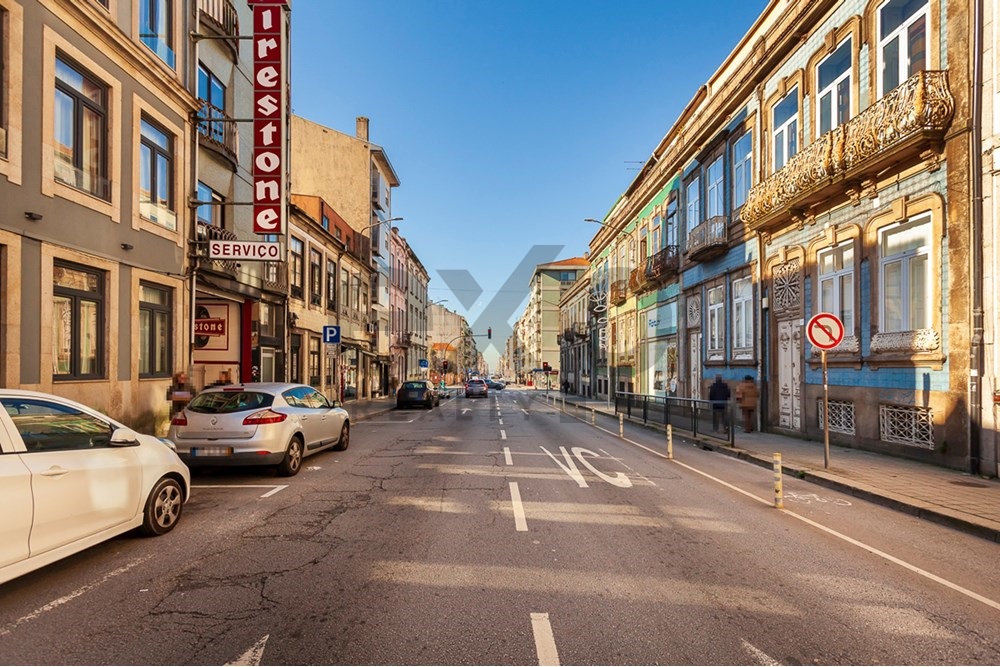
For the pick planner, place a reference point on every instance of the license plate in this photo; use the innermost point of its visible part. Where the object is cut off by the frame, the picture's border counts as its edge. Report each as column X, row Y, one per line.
column 211, row 451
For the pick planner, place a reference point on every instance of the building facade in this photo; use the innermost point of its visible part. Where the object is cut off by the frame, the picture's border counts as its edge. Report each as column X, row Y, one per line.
column 820, row 169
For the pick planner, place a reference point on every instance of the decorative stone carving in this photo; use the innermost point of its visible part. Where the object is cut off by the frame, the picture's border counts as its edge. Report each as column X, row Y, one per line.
column 919, row 340
column 786, row 282
column 694, row 311
column 850, row 345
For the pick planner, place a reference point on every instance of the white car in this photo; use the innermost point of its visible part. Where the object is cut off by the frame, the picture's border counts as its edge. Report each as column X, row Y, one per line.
column 259, row 423
column 71, row 477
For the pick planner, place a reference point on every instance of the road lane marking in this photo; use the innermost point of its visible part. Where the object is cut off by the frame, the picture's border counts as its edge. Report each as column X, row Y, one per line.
column 275, row 488
column 520, row 523
column 503, row 434
column 500, row 421
column 366, row 422
column 761, row 657
column 545, row 642
column 253, row 655
column 506, row 456
column 72, row 596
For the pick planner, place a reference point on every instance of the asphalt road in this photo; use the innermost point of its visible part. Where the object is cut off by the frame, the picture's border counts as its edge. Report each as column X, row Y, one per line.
column 502, row 531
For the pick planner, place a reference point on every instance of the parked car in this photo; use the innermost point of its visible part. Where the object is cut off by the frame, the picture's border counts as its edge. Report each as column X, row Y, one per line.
column 476, row 387
column 74, row 477
column 417, row 392
column 259, row 423
column 495, row 384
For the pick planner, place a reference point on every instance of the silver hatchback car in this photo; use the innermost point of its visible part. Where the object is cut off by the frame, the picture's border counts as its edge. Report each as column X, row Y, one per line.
column 259, row 423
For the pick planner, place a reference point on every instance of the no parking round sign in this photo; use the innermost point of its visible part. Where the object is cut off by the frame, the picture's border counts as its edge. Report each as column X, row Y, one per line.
column 825, row 331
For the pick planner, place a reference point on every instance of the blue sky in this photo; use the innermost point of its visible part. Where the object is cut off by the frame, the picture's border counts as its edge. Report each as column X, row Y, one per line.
column 510, row 121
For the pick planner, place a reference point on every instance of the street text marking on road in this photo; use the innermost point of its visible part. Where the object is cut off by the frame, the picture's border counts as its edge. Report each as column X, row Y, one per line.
column 619, row 479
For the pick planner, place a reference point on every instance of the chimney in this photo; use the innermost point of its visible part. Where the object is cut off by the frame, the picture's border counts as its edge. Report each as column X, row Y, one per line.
column 362, row 128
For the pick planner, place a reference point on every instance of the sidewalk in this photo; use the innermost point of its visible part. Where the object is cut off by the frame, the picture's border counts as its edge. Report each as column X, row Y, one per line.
column 942, row 495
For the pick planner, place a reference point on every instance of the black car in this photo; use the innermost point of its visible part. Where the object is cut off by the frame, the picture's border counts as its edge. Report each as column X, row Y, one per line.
column 495, row 384
column 417, row 392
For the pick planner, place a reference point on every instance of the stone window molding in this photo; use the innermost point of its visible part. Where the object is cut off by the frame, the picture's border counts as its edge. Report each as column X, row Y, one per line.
column 852, row 29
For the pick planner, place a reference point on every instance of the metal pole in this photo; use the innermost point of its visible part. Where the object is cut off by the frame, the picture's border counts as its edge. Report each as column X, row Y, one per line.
column 826, row 415
column 779, row 495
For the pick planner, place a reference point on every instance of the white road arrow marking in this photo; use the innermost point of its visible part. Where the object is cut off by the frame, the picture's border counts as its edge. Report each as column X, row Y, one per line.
column 253, row 654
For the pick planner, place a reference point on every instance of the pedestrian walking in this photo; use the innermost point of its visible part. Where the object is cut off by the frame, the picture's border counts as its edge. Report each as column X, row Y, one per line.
column 746, row 396
column 718, row 394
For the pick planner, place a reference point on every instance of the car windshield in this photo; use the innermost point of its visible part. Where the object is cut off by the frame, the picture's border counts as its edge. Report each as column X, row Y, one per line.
column 413, row 385
column 222, row 402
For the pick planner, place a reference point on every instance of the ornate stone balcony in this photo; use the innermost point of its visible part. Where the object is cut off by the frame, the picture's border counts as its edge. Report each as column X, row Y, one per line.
column 904, row 125
column 619, row 292
column 708, row 240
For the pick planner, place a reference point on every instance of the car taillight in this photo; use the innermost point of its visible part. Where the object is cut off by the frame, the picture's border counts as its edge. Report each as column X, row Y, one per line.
column 179, row 420
column 264, row 417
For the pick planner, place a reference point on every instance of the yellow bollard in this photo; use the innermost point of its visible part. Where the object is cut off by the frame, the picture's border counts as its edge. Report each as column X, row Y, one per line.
column 621, row 426
column 593, row 416
column 670, row 441
column 778, row 493
column 564, row 402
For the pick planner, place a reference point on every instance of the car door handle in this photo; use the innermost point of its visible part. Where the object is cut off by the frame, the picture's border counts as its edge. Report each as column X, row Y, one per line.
column 54, row 471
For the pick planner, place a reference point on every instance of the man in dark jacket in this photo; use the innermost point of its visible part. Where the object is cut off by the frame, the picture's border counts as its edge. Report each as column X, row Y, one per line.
column 718, row 394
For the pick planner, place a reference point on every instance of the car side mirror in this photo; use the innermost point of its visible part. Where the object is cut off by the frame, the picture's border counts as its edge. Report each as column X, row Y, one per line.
column 334, row 404
column 124, row 437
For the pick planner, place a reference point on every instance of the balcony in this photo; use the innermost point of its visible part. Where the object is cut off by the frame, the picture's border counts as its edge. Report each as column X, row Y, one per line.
column 637, row 279
column 403, row 340
column 708, row 240
column 619, row 292
column 569, row 334
column 214, row 233
column 664, row 265
column 220, row 17
column 274, row 276
column 905, row 125
column 581, row 330
column 217, row 131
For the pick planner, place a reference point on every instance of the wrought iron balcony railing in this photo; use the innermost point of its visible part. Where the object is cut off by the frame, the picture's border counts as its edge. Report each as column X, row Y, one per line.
column 637, row 278
column 217, row 129
column 709, row 239
column 900, row 126
column 619, row 292
column 664, row 265
column 213, row 233
column 221, row 16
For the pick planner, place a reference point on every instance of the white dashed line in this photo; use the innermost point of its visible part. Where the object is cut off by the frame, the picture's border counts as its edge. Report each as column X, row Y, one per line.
column 506, row 456
column 545, row 642
column 520, row 523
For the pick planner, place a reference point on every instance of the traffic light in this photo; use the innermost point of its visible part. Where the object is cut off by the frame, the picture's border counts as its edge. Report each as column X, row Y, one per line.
column 489, row 332
column 545, row 366
column 444, row 365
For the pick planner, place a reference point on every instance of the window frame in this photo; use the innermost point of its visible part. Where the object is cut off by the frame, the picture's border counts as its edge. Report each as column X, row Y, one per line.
column 158, row 154
column 148, row 15
column 715, row 187
column 315, row 277
column 715, row 321
column 211, row 110
column 80, row 103
column 296, row 268
column 742, row 168
column 834, row 88
column 785, row 132
column 835, row 278
column 76, row 297
column 925, row 253
column 901, row 32
column 743, row 313
column 156, row 312
column 331, row 285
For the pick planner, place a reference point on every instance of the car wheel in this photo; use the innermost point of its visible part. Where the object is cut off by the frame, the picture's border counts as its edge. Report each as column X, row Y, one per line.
column 290, row 465
column 163, row 507
column 345, row 437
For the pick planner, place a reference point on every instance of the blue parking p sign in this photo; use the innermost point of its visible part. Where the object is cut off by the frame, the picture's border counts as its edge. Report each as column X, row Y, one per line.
column 331, row 334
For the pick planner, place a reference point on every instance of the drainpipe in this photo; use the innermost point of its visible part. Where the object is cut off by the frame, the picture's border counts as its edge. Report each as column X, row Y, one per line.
column 193, row 255
column 976, row 219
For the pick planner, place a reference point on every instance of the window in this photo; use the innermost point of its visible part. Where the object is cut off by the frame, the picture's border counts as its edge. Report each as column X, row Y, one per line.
column 156, row 171
column 295, row 359
column 742, row 317
column 4, row 95
column 836, row 283
column 655, row 236
column 81, row 121
column 786, row 128
column 355, row 291
column 154, row 331
column 266, row 319
column 77, row 322
column 670, row 233
column 315, row 277
column 902, row 41
column 210, row 213
column 314, row 356
column 344, row 284
column 742, row 169
column 212, row 93
column 715, row 200
column 297, row 249
column 693, row 198
column 833, row 80
column 716, row 322
column 45, row 426
column 904, row 251
column 325, row 222
column 331, row 285
column 155, row 20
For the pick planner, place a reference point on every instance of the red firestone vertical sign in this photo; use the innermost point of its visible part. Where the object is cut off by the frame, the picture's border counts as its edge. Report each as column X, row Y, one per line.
column 269, row 116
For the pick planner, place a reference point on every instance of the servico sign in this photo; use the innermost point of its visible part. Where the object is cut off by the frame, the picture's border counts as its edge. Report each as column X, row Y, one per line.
column 260, row 250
